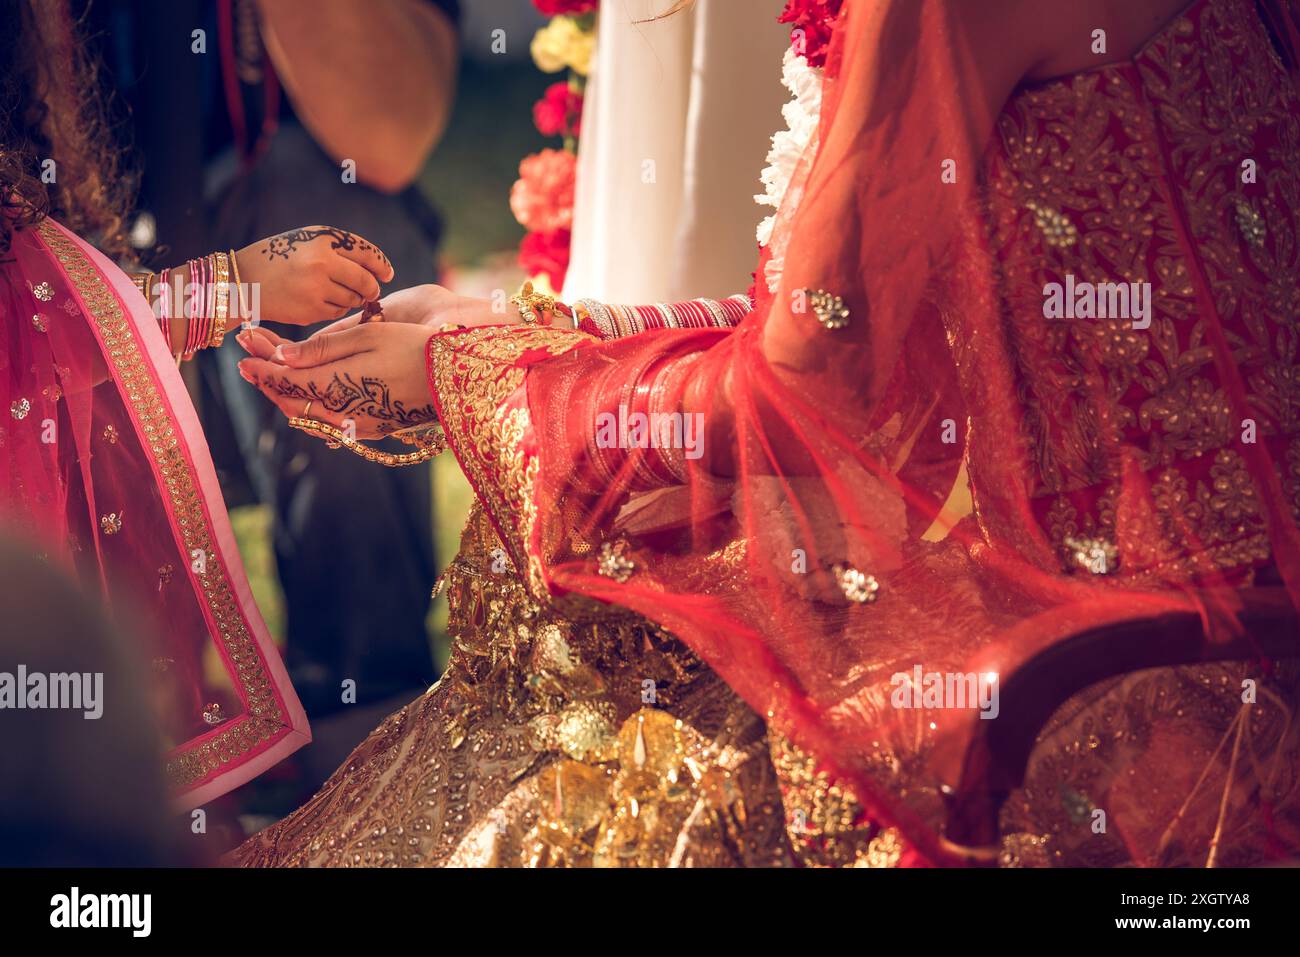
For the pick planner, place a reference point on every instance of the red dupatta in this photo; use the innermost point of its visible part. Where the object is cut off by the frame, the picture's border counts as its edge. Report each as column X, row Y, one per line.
column 804, row 557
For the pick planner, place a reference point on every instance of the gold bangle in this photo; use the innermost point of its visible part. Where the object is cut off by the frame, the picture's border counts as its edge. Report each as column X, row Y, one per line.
column 337, row 437
column 221, row 310
column 142, row 281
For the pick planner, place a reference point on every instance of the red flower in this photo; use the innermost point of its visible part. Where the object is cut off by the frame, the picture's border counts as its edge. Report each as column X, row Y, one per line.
column 573, row 8
column 542, row 197
column 813, row 21
column 546, row 253
column 559, row 112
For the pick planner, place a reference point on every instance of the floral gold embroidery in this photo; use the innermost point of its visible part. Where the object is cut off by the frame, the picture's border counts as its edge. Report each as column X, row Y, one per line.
column 1088, row 390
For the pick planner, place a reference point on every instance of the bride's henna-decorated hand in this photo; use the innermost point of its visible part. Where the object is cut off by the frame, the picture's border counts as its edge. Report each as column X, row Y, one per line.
column 371, row 376
column 313, row 274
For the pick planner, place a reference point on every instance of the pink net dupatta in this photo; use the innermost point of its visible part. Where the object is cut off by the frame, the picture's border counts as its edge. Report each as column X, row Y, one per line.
column 108, row 472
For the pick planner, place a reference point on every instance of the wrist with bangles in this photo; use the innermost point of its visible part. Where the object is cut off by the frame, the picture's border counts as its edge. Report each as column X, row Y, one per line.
column 206, row 292
column 612, row 321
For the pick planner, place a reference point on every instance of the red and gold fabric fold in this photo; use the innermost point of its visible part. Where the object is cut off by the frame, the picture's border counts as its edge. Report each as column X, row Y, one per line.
column 109, row 476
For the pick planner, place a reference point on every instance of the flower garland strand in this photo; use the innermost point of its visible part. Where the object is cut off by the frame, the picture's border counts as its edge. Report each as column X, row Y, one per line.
column 542, row 198
column 802, row 73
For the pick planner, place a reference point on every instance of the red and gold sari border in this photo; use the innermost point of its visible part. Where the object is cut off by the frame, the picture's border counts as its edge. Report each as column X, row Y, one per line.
column 267, row 718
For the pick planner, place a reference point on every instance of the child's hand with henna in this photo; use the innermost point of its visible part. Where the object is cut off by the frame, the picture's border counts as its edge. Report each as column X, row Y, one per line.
column 310, row 275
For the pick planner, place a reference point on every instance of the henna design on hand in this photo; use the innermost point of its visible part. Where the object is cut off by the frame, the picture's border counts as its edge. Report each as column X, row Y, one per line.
column 370, row 398
column 285, row 243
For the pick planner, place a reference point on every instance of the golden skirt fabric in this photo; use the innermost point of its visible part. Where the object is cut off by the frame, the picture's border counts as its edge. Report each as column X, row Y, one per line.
column 548, row 741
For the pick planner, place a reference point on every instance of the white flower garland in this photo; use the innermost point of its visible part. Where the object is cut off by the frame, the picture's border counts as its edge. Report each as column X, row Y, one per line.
column 802, row 115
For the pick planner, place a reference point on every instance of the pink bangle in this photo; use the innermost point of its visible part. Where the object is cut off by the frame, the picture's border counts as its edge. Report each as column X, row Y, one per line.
column 163, row 309
column 200, row 312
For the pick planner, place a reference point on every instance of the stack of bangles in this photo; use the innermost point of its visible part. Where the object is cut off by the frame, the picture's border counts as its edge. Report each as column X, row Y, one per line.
column 614, row 322
column 605, row 321
column 203, row 292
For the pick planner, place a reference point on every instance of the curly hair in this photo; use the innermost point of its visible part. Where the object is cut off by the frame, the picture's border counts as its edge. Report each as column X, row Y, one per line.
column 57, row 153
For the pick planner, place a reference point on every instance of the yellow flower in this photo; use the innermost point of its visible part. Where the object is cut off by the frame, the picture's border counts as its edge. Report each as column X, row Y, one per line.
column 562, row 43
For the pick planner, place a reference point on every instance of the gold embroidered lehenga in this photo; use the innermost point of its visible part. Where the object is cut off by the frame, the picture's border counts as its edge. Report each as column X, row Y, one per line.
column 1105, row 463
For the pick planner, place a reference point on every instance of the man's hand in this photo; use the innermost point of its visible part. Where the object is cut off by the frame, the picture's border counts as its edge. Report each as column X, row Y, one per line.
column 371, row 377
column 312, row 274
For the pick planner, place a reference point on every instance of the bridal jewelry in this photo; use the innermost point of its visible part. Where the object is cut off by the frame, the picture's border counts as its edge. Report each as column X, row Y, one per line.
column 337, row 437
column 238, row 311
column 220, row 272
column 614, row 563
column 615, row 321
column 532, row 305
column 829, row 308
column 537, row 308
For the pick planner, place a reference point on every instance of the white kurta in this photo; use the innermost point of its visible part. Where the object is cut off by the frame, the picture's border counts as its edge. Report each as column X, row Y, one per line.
column 677, row 122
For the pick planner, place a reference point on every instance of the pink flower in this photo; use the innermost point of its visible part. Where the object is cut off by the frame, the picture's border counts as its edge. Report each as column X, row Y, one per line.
column 542, row 197
column 559, row 112
column 573, row 8
column 546, row 253
column 812, row 26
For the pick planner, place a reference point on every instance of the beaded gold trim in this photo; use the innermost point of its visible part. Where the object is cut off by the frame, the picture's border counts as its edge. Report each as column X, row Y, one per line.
column 263, row 718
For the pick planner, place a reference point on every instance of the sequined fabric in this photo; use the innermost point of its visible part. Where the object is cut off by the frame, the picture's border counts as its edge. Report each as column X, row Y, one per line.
column 549, row 741
column 1177, row 168
column 1231, row 799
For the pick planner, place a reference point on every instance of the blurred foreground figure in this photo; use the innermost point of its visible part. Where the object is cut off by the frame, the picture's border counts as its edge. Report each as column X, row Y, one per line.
column 81, row 785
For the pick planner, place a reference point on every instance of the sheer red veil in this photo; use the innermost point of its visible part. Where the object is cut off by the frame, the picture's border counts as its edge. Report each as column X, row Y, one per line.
column 827, row 452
